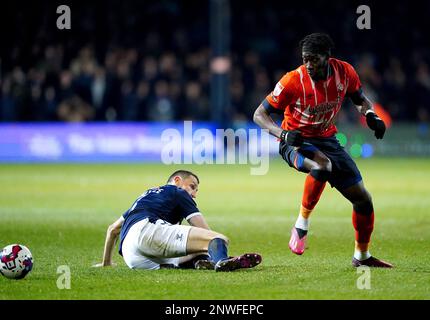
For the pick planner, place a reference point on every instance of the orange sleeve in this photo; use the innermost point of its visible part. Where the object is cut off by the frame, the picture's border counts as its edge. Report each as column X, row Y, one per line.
column 354, row 82
column 285, row 91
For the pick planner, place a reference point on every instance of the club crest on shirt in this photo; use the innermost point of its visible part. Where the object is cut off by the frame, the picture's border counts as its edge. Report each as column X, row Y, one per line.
column 277, row 91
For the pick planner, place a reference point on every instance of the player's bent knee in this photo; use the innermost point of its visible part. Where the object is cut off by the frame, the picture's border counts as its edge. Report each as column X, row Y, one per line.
column 198, row 239
column 322, row 171
column 364, row 207
column 227, row 240
column 364, row 199
column 324, row 165
column 321, row 167
column 218, row 235
column 320, row 175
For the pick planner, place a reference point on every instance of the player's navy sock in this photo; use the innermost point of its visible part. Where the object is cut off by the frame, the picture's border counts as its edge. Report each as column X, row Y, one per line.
column 217, row 249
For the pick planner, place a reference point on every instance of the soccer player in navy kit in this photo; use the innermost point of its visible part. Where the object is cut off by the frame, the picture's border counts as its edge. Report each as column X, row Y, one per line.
column 151, row 235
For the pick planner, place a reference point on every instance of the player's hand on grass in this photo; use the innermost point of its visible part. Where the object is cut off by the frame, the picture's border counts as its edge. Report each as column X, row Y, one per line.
column 292, row 138
column 99, row 265
column 376, row 124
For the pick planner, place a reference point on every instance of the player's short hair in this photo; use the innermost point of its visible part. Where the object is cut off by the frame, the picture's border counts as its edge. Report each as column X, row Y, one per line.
column 183, row 174
column 320, row 43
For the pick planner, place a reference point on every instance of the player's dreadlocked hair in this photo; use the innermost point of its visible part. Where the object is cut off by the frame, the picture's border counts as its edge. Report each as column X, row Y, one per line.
column 183, row 174
column 317, row 43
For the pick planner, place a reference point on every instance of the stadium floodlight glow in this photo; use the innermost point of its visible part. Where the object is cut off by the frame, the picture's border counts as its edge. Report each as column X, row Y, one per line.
column 367, row 150
column 358, row 139
column 341, row 137
column 355, row 150
column 220, row 65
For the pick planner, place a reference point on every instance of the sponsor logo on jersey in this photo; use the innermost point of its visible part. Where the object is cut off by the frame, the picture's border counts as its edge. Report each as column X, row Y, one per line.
column 322, row 108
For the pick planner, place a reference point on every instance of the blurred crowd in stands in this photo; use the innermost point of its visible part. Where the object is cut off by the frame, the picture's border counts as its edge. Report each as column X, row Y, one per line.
column 151, row 70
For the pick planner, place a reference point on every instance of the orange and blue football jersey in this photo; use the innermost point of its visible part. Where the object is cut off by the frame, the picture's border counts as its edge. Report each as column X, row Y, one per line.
column 311, row 107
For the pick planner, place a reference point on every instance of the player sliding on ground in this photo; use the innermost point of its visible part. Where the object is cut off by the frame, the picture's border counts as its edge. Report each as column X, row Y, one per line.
column 152, row 238
column 310, row 97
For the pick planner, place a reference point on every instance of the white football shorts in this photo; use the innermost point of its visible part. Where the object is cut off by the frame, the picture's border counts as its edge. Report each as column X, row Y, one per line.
column 147, row 245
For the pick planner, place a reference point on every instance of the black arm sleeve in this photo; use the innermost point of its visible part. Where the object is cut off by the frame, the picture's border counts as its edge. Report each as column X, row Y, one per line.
column 357, row 97
column 269, row 107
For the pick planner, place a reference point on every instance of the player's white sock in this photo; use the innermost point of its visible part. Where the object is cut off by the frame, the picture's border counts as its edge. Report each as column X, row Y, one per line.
column 361, row 255
column 302, row 223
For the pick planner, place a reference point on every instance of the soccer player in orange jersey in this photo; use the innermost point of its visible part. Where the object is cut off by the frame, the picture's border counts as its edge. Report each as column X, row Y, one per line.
column 310, row 97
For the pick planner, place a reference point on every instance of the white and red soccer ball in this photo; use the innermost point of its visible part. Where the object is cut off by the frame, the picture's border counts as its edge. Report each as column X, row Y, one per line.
column 16, row 261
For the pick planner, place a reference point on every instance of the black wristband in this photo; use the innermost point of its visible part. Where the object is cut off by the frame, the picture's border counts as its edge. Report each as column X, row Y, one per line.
column 283, row 134
column 371, row 114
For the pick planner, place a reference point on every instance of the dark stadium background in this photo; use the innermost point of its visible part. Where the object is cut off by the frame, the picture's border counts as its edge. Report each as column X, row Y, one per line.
column 149, row 60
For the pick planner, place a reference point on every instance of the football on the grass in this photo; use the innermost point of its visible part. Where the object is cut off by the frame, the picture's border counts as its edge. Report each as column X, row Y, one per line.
column 16, row 261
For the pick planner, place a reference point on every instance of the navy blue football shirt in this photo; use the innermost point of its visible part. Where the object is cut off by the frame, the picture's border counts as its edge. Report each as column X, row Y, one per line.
column 168, row 203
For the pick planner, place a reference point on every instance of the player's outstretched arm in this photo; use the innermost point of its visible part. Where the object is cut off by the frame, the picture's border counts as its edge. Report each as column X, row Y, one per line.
column 361, row 102
column 111, row 236
column 365, row 107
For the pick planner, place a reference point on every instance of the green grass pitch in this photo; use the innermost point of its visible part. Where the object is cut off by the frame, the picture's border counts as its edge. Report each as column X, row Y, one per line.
column 61, row 213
